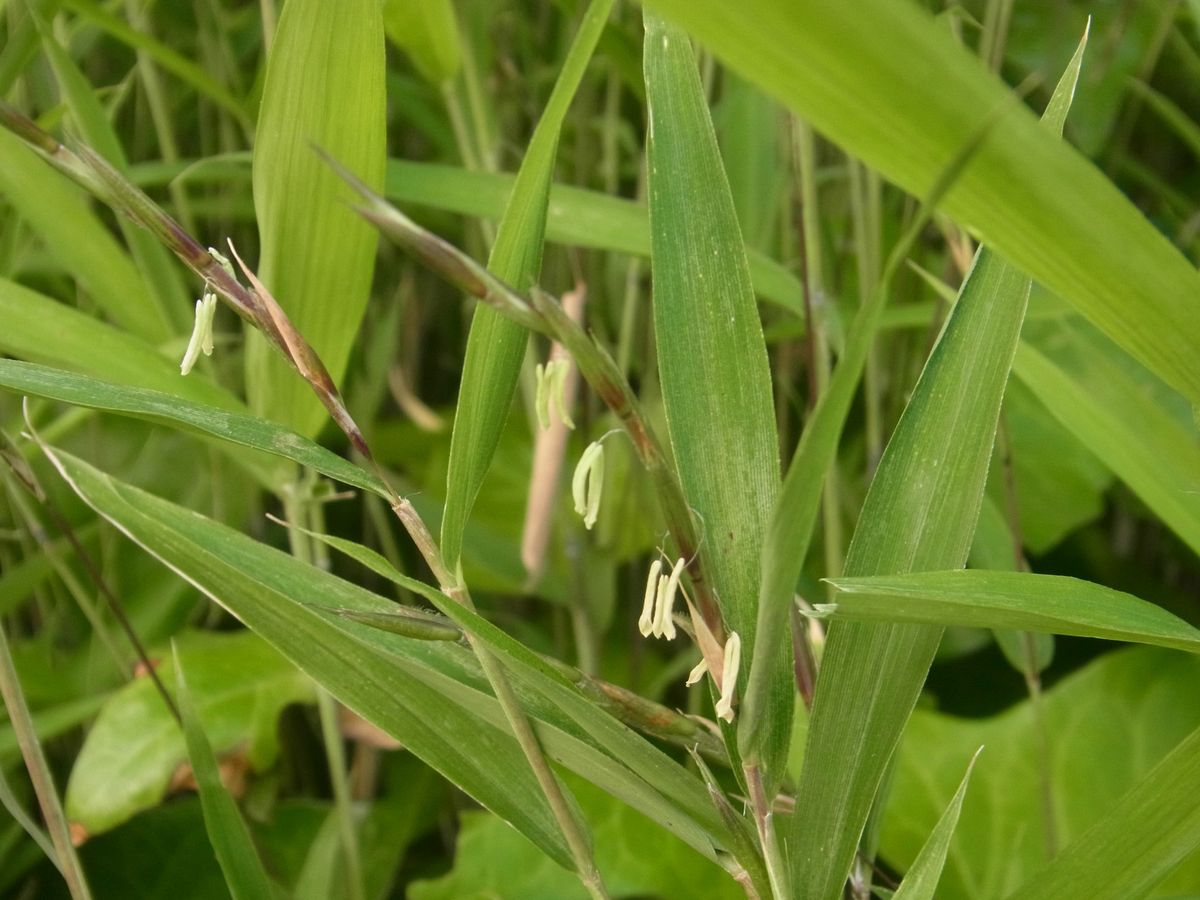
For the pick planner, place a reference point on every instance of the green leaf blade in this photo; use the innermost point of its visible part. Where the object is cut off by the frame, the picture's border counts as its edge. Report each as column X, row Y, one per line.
column 227, row 831
column 713, row 364
column 324, row 86
column 877, row 91
column 496, row 346
column 920, row 514
column 921, row 880
column 228, row 425
column 1017, row 600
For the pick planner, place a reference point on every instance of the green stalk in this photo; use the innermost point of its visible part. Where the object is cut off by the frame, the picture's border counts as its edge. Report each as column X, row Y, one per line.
column 573, row 830
column 818, row 304
column 66, row 859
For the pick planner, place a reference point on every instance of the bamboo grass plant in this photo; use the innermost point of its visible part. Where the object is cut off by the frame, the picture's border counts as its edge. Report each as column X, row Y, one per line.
column 839, row 438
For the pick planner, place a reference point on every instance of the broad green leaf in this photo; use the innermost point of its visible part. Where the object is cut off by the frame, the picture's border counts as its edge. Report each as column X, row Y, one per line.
column 428, row 32
column 391, row 681
column 871, row 76
column 324, row 87
column 636, row 857
column 240, row 686
column 712, row 358
column 227, row 425
column 161, row 277
column 921, row 880
column 46, row 331
column 1140, row 441
column 1017, row 600
column 496, row 346
column 575, row 217
column 1108, row 725
column 919, row 514
column 76, row 239
column 162, row 854
column 227, row 832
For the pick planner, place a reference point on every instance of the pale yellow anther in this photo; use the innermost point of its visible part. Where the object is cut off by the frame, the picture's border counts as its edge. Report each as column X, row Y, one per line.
column 729, row 673
column 664, row 623
column 588, row 482
column 202, row 332
column 697, row 672
column 646, row 621
column 550, row 390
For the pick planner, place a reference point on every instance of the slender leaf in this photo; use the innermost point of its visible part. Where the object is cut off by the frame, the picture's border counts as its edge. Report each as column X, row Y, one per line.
column 496, row 346
column 162, row 279
column 228, row 425
column 1019, row 600
column 921, row 880
column 387, row 683
column 227, row 831
column 324, row 86
column 171, row 60
column 41, row 329
column 871, row 75
column 716, row 381
column 663, row 778
column 429, row 695
column 920, row 514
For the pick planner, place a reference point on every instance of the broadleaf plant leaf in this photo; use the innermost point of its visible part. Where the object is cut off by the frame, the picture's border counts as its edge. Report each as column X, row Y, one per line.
column 496, row 346
column 239, row 686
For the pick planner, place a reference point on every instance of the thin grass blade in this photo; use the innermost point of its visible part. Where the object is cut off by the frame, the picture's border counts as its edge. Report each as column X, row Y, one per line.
column 1150, row 830
column 1017, row 600
column 227, row 831
column 921, row 880
column 576, row 217
column 496, row 346
column 162, row 279
column 227, row 425
column 426, row 694
column 77, row 240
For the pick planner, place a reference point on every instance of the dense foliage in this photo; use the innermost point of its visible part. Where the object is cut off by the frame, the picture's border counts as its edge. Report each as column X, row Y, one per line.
column 617, row 451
